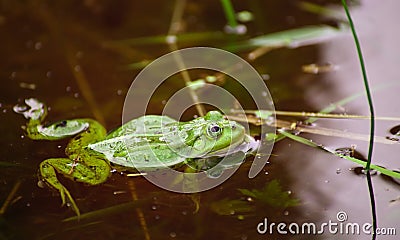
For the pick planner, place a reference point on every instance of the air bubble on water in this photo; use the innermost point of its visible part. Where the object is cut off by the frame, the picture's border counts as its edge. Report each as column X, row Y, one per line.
column 244, row 16
column 266, row 173
column 4, row 110
column 77, row 68
column 38, row 45
column 59, row 146
column 157, row 217
column 22, row 136
column 154, row 207
column 264, row 93
column 119, row 92
column 326, row 181
column 49, row 74
column 172, row 234
column 76, row 95
column 338, row 171
column 238, row 30
column 170, row 39
column 286, row 213
column 68, row 89
column 289, row 192
column 249, row 199
column 13, row 75
column 79, row 54
column 41, row 184
column 184, row 213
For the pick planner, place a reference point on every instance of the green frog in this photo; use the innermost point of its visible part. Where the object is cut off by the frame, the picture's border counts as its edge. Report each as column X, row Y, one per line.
column 146, row 143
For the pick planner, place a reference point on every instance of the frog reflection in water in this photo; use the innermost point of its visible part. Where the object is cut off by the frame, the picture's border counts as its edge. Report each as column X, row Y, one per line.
column 147, row 142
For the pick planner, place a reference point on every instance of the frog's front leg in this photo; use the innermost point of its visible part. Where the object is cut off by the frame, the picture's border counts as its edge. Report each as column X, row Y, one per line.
column 91, row 171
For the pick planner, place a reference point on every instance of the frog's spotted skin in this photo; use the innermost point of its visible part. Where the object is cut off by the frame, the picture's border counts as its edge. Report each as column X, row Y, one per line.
column 159, row 141
column 144, row 143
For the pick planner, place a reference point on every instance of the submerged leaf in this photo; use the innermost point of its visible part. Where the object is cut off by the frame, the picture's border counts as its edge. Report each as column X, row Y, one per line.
column 272, row 194
column 230, row 207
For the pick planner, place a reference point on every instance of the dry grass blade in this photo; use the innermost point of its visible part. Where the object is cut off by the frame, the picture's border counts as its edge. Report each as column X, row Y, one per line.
column 10, row 197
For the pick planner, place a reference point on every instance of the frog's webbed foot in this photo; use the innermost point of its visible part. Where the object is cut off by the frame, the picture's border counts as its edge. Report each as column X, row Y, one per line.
column 34, row 109
column 49, row 176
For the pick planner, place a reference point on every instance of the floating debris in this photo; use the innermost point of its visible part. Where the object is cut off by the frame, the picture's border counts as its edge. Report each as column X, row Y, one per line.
column 30, row 86
column 362, row 171
column 350, row 152
column 316, row 68
column 238, row 30
column 395, row 130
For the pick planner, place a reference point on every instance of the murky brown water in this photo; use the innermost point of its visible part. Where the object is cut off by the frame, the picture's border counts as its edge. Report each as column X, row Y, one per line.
column 68, row 54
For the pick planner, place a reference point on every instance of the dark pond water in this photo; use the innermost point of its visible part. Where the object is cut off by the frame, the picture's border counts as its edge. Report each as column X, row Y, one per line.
column 70, row 55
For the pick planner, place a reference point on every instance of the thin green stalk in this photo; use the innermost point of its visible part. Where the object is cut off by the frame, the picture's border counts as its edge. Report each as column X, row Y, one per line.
column 229, row 13
column 372, row 121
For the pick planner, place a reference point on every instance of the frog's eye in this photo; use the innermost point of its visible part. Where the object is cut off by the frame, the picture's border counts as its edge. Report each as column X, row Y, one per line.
column 214, row 130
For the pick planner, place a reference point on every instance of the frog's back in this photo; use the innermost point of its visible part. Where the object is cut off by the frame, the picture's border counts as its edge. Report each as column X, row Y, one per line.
column 149, row 124
column 138, row 151
column 138, row 144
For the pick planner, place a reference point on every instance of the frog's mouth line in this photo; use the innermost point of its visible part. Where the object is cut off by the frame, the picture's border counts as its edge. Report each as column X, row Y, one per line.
column 249, row 144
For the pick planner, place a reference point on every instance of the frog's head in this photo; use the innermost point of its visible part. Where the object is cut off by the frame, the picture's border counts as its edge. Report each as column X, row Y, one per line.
column 212, row 135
